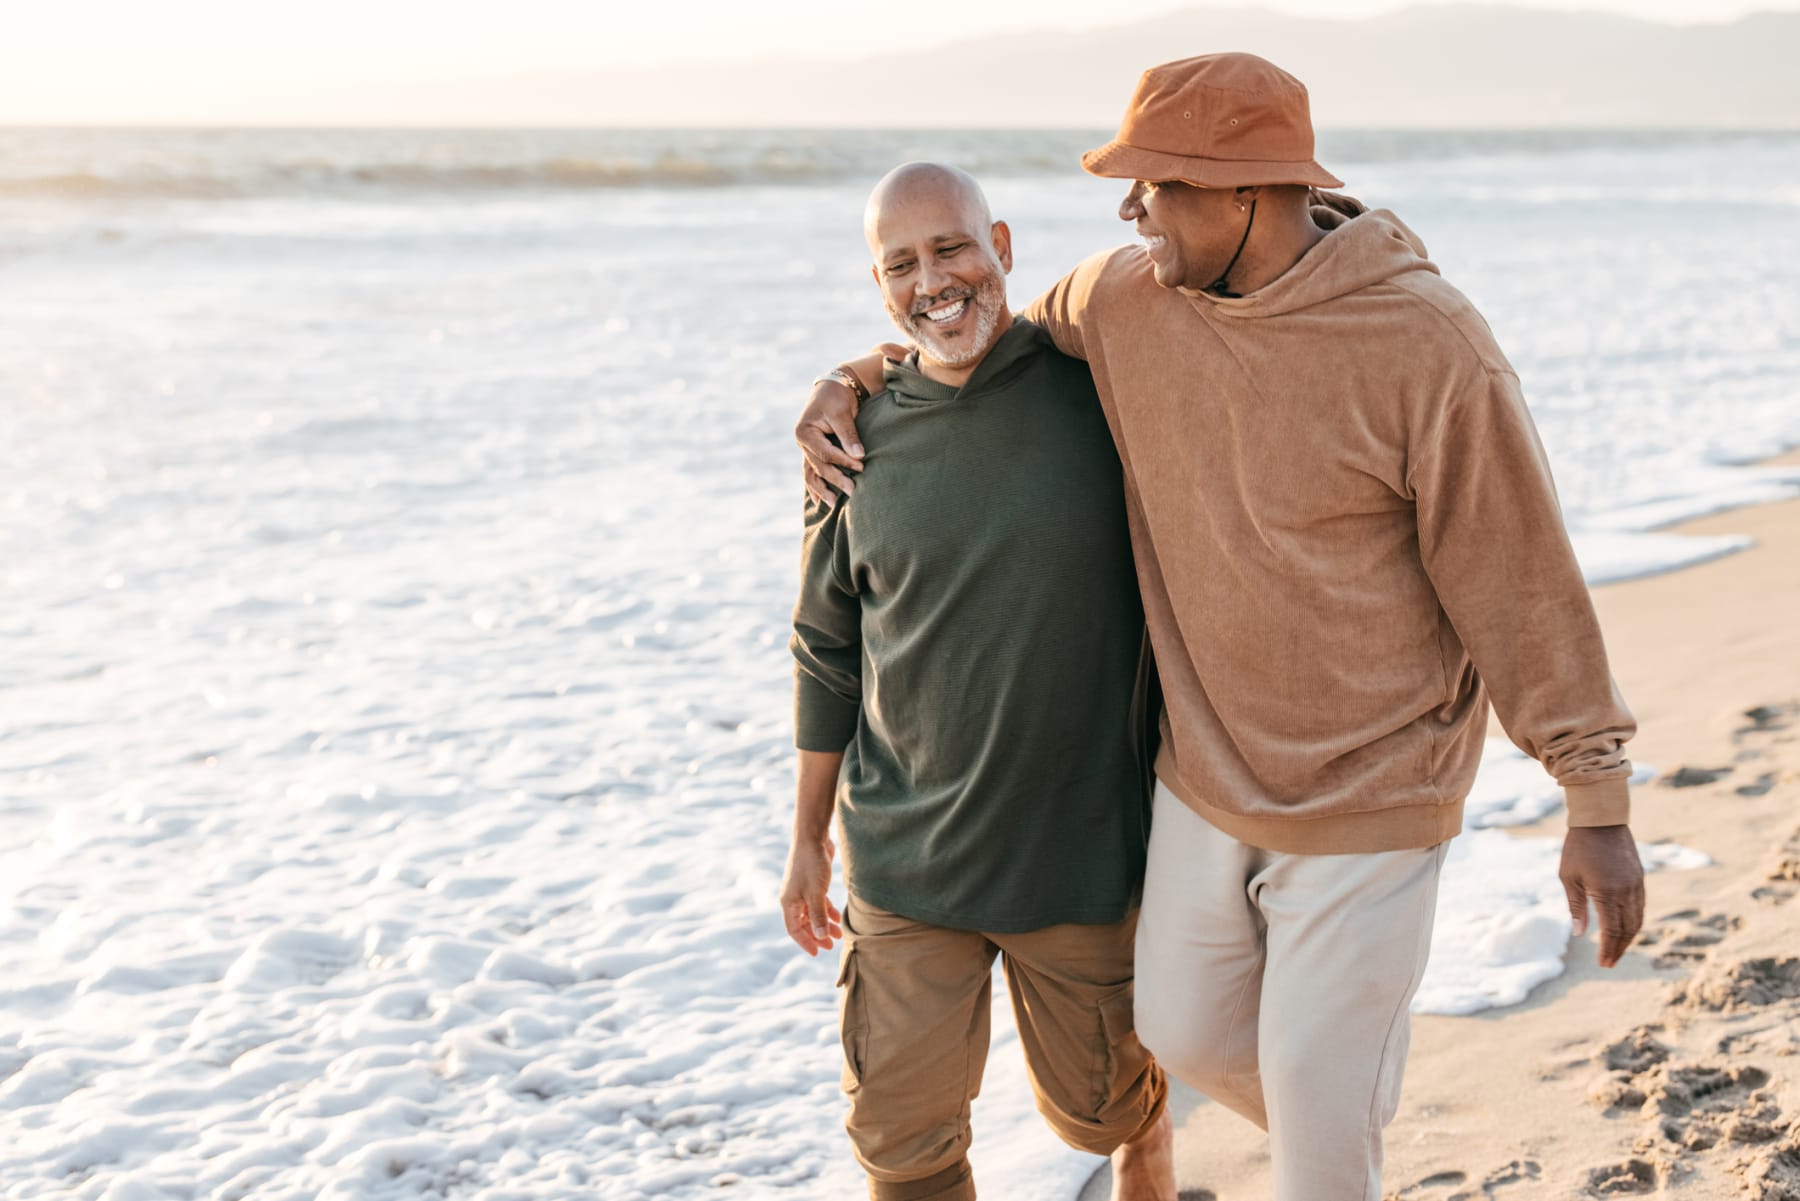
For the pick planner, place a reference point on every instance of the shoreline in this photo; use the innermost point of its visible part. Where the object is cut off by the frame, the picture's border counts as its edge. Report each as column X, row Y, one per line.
column 1595, row 1085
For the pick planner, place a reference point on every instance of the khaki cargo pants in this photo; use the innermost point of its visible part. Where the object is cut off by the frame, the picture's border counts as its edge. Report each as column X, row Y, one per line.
column 915, row 1029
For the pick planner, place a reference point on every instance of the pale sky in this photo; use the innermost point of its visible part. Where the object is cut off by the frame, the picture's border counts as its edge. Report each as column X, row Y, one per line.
column 224, row 61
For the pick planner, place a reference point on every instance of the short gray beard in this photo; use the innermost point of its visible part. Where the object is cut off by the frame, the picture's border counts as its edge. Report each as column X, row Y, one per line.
column 989, row 300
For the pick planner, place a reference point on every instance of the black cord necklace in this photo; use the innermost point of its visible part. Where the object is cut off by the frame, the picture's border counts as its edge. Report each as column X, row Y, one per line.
column 1221, row 287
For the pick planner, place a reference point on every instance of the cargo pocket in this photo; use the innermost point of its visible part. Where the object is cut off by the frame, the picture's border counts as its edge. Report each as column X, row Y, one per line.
column 1120, row 1060
column 853, row 1021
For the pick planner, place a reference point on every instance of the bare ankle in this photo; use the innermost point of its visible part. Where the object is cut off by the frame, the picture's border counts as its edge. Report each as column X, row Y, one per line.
column 1144, row 1168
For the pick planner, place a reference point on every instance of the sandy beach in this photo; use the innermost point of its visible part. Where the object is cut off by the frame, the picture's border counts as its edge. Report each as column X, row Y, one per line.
column 1674, row 1074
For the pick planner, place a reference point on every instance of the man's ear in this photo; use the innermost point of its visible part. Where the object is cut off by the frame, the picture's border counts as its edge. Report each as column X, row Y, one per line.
column 1003, row 246
column 875, row 274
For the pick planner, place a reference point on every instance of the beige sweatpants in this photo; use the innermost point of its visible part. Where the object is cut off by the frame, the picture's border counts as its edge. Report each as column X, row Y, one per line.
column 1278, row 985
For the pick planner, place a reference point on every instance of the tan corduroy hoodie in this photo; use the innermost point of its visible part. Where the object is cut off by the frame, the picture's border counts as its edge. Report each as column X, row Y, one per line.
column 1347, row 540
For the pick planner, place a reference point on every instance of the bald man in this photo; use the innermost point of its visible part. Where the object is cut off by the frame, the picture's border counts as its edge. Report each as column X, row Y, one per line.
column 968, row 702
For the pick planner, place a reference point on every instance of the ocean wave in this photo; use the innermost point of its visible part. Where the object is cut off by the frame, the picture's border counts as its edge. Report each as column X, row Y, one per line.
column 123, row 165
column 200, row 164
column 87, row 185
column 278, row 179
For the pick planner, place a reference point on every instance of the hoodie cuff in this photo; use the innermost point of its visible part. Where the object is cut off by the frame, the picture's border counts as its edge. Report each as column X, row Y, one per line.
column 1600, row 803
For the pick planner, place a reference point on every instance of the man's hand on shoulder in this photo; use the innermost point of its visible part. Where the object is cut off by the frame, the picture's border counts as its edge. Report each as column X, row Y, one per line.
column 827, row 436
column 1601, row 864
column 812, row 920
column 826, row 431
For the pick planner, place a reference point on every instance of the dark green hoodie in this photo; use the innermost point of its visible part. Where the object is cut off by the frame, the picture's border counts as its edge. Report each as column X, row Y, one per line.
column 968, row 632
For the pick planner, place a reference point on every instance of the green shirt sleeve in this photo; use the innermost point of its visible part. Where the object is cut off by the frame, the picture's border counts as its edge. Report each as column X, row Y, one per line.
column 827, row 640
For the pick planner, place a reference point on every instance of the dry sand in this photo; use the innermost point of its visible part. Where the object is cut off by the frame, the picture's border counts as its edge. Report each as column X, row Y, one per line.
column 1675, row 1074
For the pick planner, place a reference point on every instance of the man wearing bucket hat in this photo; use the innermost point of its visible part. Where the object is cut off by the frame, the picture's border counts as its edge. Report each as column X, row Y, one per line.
column 1348, row 543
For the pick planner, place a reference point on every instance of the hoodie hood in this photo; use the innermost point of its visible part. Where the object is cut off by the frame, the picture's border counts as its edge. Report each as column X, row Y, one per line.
column 911, row 386
column 1358, row 251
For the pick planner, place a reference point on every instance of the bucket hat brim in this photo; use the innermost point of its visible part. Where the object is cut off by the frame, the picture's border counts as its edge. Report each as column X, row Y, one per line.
column 1117, row 160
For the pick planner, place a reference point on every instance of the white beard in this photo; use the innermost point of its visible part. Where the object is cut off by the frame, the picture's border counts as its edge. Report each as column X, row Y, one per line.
column 989, row 301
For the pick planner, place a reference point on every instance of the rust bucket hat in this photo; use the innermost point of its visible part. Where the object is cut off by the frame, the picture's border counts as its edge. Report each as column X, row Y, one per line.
column 1217, row 121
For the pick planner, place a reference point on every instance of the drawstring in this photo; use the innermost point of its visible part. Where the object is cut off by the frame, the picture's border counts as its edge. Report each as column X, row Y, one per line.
column 1219, row 287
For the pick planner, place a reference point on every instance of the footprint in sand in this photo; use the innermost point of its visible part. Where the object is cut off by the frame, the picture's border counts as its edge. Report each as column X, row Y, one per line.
column 1761, row 786
column 1690, row 1107
column 1637, row 1052
column 1733, row 988
column 1683, row 937
column 1783, row 876
column 1694, row 777
column 1702, row 1106
column 1621, row 1092
column 1774, row 1175
column 1517, row 1172
column 1449, row 1186
column 1439, row 1186
column 1622, row 1179
column 1765, row 719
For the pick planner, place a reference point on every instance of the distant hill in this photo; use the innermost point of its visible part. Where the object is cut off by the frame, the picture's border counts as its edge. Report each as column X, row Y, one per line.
column 1443, row 67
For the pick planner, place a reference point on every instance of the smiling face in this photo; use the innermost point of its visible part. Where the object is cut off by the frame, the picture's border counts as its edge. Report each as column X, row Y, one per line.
column 1190, row 232
column 941, row 263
